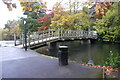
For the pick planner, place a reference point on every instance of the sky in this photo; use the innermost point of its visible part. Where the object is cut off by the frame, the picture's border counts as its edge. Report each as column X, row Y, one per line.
column 6, row 15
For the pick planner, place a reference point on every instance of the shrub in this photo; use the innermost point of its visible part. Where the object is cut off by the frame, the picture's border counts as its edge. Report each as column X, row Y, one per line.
column 113, row 60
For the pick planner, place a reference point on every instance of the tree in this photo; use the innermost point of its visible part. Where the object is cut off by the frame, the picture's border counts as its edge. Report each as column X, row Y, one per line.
column 7, row 25
column 33, row 10
column 66, row 20
column 31, row 26
column 11, row 27
column 113, row 60
column 1, row 34
column 109, row 26
column 15, row 28
column 99, row 8
column 4, row 34
column 30, row 8
column 46, row 20
column 7, row 28
column 58, row 11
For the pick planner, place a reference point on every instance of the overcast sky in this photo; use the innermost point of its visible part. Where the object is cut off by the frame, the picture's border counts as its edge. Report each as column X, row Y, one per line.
column 9, row 15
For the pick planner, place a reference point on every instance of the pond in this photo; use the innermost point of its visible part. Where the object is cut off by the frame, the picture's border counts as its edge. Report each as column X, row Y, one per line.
column 82, row 51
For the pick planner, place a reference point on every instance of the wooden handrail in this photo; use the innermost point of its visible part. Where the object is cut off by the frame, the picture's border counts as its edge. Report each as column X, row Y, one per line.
column 51, row 34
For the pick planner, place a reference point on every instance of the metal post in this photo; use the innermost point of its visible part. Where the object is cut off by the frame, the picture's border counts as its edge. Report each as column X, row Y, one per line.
column 15, row 38
column 104, row 74
column 21, row 38
column 29, row 40
column 38, row 36
column 63, row 55
column 25, row 36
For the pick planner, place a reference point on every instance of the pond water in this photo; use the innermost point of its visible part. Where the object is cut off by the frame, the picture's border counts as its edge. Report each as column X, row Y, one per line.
column 82, row 51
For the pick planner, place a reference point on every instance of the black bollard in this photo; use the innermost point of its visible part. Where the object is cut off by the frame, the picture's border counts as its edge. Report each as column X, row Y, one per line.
column 63, row 55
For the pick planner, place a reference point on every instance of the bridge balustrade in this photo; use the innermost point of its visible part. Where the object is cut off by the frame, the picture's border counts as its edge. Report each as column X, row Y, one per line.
column 50, row 35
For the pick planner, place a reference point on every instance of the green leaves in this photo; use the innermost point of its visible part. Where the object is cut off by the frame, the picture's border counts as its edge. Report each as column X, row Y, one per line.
column 34, row 10
column 67, row 20
column 109, row 26
column 113, row 60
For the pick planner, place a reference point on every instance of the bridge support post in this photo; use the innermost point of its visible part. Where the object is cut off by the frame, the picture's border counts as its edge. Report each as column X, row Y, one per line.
column 52, row 46
column 52, row 34
column 63, row 55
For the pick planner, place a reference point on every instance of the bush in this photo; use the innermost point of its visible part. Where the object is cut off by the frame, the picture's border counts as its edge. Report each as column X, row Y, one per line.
column 113, row 60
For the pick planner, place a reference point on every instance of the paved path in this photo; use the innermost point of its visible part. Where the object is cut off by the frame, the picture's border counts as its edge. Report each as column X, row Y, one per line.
column 16, row 63
column 8, row 43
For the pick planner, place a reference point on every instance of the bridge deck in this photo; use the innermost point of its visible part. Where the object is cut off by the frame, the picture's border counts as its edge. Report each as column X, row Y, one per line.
column 40, row 42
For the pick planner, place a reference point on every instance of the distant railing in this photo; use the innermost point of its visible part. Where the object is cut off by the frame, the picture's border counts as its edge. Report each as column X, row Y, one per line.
column 49, row 35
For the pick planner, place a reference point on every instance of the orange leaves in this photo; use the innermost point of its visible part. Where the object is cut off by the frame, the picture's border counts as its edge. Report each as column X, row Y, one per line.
column 46, row 20
column 97, row 12
column 98, row 6
column 101, row 8
column 108, row 69
column 41, row 7
column 24, row 9
column 32, row 6
column 102, row 13
column 36, row 10
column 42, row 28
column 109, row 4
column 29, row 8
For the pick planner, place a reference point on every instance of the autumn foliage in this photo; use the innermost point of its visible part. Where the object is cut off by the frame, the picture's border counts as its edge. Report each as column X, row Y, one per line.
column 108, row 69
column 46, row 20
column 35, row 7
column 101, row 8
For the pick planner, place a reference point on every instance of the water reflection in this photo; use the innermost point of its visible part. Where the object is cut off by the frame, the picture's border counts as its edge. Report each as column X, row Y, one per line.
column 82, row 51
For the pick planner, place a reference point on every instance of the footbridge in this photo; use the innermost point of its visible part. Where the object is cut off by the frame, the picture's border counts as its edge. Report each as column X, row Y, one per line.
column 40, row 38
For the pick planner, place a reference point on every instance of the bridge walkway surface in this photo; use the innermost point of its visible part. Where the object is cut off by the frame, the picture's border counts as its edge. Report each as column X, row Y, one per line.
column 17, row 63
